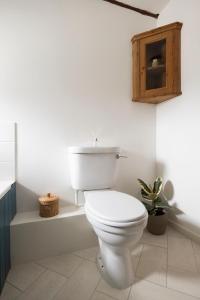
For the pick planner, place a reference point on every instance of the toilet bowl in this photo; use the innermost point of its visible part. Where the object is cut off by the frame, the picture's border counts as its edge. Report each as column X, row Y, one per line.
column 118, row 220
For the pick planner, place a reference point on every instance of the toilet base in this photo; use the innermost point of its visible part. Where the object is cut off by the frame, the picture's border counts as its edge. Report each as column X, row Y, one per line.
column 100, row 266
column 102, row 270
column 116, row 244
column 123, row 275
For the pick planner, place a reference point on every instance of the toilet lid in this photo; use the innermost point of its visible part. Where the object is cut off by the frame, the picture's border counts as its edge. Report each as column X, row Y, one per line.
column 114, row 206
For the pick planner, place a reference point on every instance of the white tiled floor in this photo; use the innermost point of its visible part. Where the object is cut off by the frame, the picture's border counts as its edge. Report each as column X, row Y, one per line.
column 167, row 267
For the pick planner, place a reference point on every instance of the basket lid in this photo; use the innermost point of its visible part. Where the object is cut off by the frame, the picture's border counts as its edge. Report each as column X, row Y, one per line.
column 48, row 199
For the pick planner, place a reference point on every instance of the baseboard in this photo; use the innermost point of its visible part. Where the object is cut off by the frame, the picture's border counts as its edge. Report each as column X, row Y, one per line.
column 184, row 230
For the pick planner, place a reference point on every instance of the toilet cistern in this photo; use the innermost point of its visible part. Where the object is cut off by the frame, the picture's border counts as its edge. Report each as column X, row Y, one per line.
column 92, row 167
column 95, row 142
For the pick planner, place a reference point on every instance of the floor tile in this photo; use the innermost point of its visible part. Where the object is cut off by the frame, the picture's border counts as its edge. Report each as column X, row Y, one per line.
column 63, row 264
column 82, row 283
column 155, row 240
column 137, row 250
column 153, row 264
column 172, row 232
column 184, row 281
column 197, row 260
column 100, row 296
column 154, row 253
column 105, row 288
column 90, row 253
column 75, row 276
column 45, row 287
column 196, row 248
column 9, row 292
column 135, row 261
column 181, row 254
column 144, row 290
column 152, row 271
column 21, row 276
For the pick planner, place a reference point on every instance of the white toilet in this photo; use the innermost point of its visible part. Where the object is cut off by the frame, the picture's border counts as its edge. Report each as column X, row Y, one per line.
column 117, row 218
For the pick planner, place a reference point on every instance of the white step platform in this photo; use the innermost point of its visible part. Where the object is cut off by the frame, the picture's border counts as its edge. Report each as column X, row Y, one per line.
column 33, row 237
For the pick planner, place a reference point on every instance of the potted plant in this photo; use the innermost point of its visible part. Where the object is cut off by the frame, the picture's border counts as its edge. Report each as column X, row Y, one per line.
column 156, row 206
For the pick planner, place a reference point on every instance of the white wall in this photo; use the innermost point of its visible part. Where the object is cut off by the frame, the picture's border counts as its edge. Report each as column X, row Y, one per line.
column 178, row 121
column 65, row 78
column 7, row 151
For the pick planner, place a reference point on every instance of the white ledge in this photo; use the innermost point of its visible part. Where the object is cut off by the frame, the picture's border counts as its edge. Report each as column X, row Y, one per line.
column 5, row 186
column 33, row 216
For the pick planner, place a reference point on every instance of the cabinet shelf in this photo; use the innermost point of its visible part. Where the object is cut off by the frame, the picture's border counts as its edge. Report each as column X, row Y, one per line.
column 157, row 68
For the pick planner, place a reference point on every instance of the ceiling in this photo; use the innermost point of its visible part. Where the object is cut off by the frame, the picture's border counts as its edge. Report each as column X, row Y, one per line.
column 155, row 6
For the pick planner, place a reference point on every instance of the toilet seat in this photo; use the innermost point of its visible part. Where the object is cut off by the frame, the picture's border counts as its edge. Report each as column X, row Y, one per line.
column 114, row 208
column 124, row 229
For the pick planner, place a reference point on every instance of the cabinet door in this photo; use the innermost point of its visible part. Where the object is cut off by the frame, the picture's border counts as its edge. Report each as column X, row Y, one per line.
column 156, row 67
column 7, row 212
column 2, row 243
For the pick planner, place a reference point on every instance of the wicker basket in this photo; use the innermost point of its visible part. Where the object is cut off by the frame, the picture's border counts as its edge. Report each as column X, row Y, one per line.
column 48, row 205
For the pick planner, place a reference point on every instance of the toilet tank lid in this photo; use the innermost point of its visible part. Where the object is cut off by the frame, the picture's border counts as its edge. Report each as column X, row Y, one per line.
column 82, row 149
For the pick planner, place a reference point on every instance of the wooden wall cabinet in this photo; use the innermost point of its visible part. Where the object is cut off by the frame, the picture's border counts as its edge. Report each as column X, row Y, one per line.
column 157, row 64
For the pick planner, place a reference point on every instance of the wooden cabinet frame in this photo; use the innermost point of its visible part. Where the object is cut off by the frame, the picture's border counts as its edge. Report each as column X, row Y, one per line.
column 171, row 34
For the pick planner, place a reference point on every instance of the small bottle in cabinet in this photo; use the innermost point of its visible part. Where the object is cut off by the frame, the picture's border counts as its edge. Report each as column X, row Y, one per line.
column 156, row 64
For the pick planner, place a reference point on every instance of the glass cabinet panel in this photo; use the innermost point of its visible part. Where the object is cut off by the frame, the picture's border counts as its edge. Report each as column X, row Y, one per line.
column 156, row 65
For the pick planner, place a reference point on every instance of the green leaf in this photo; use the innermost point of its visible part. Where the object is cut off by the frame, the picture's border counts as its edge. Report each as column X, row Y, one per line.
column 148, row 206
column 157, row 187
column 161, row 203
column 145, row 195
column 152, row 212
column 150, row 196
column 144, row 186
column 148, row 201
column 153, row 196
column 162, row 206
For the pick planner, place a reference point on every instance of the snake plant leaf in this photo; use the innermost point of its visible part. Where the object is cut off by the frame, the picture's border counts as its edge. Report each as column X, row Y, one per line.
column 157, row 187
column 147, row 196
column 153, row 196
column 161, row 203
column 144, row 193
column 153, row 199
column 144, row 186
column 148, row 206
column 152, row 212
column 148, row 201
